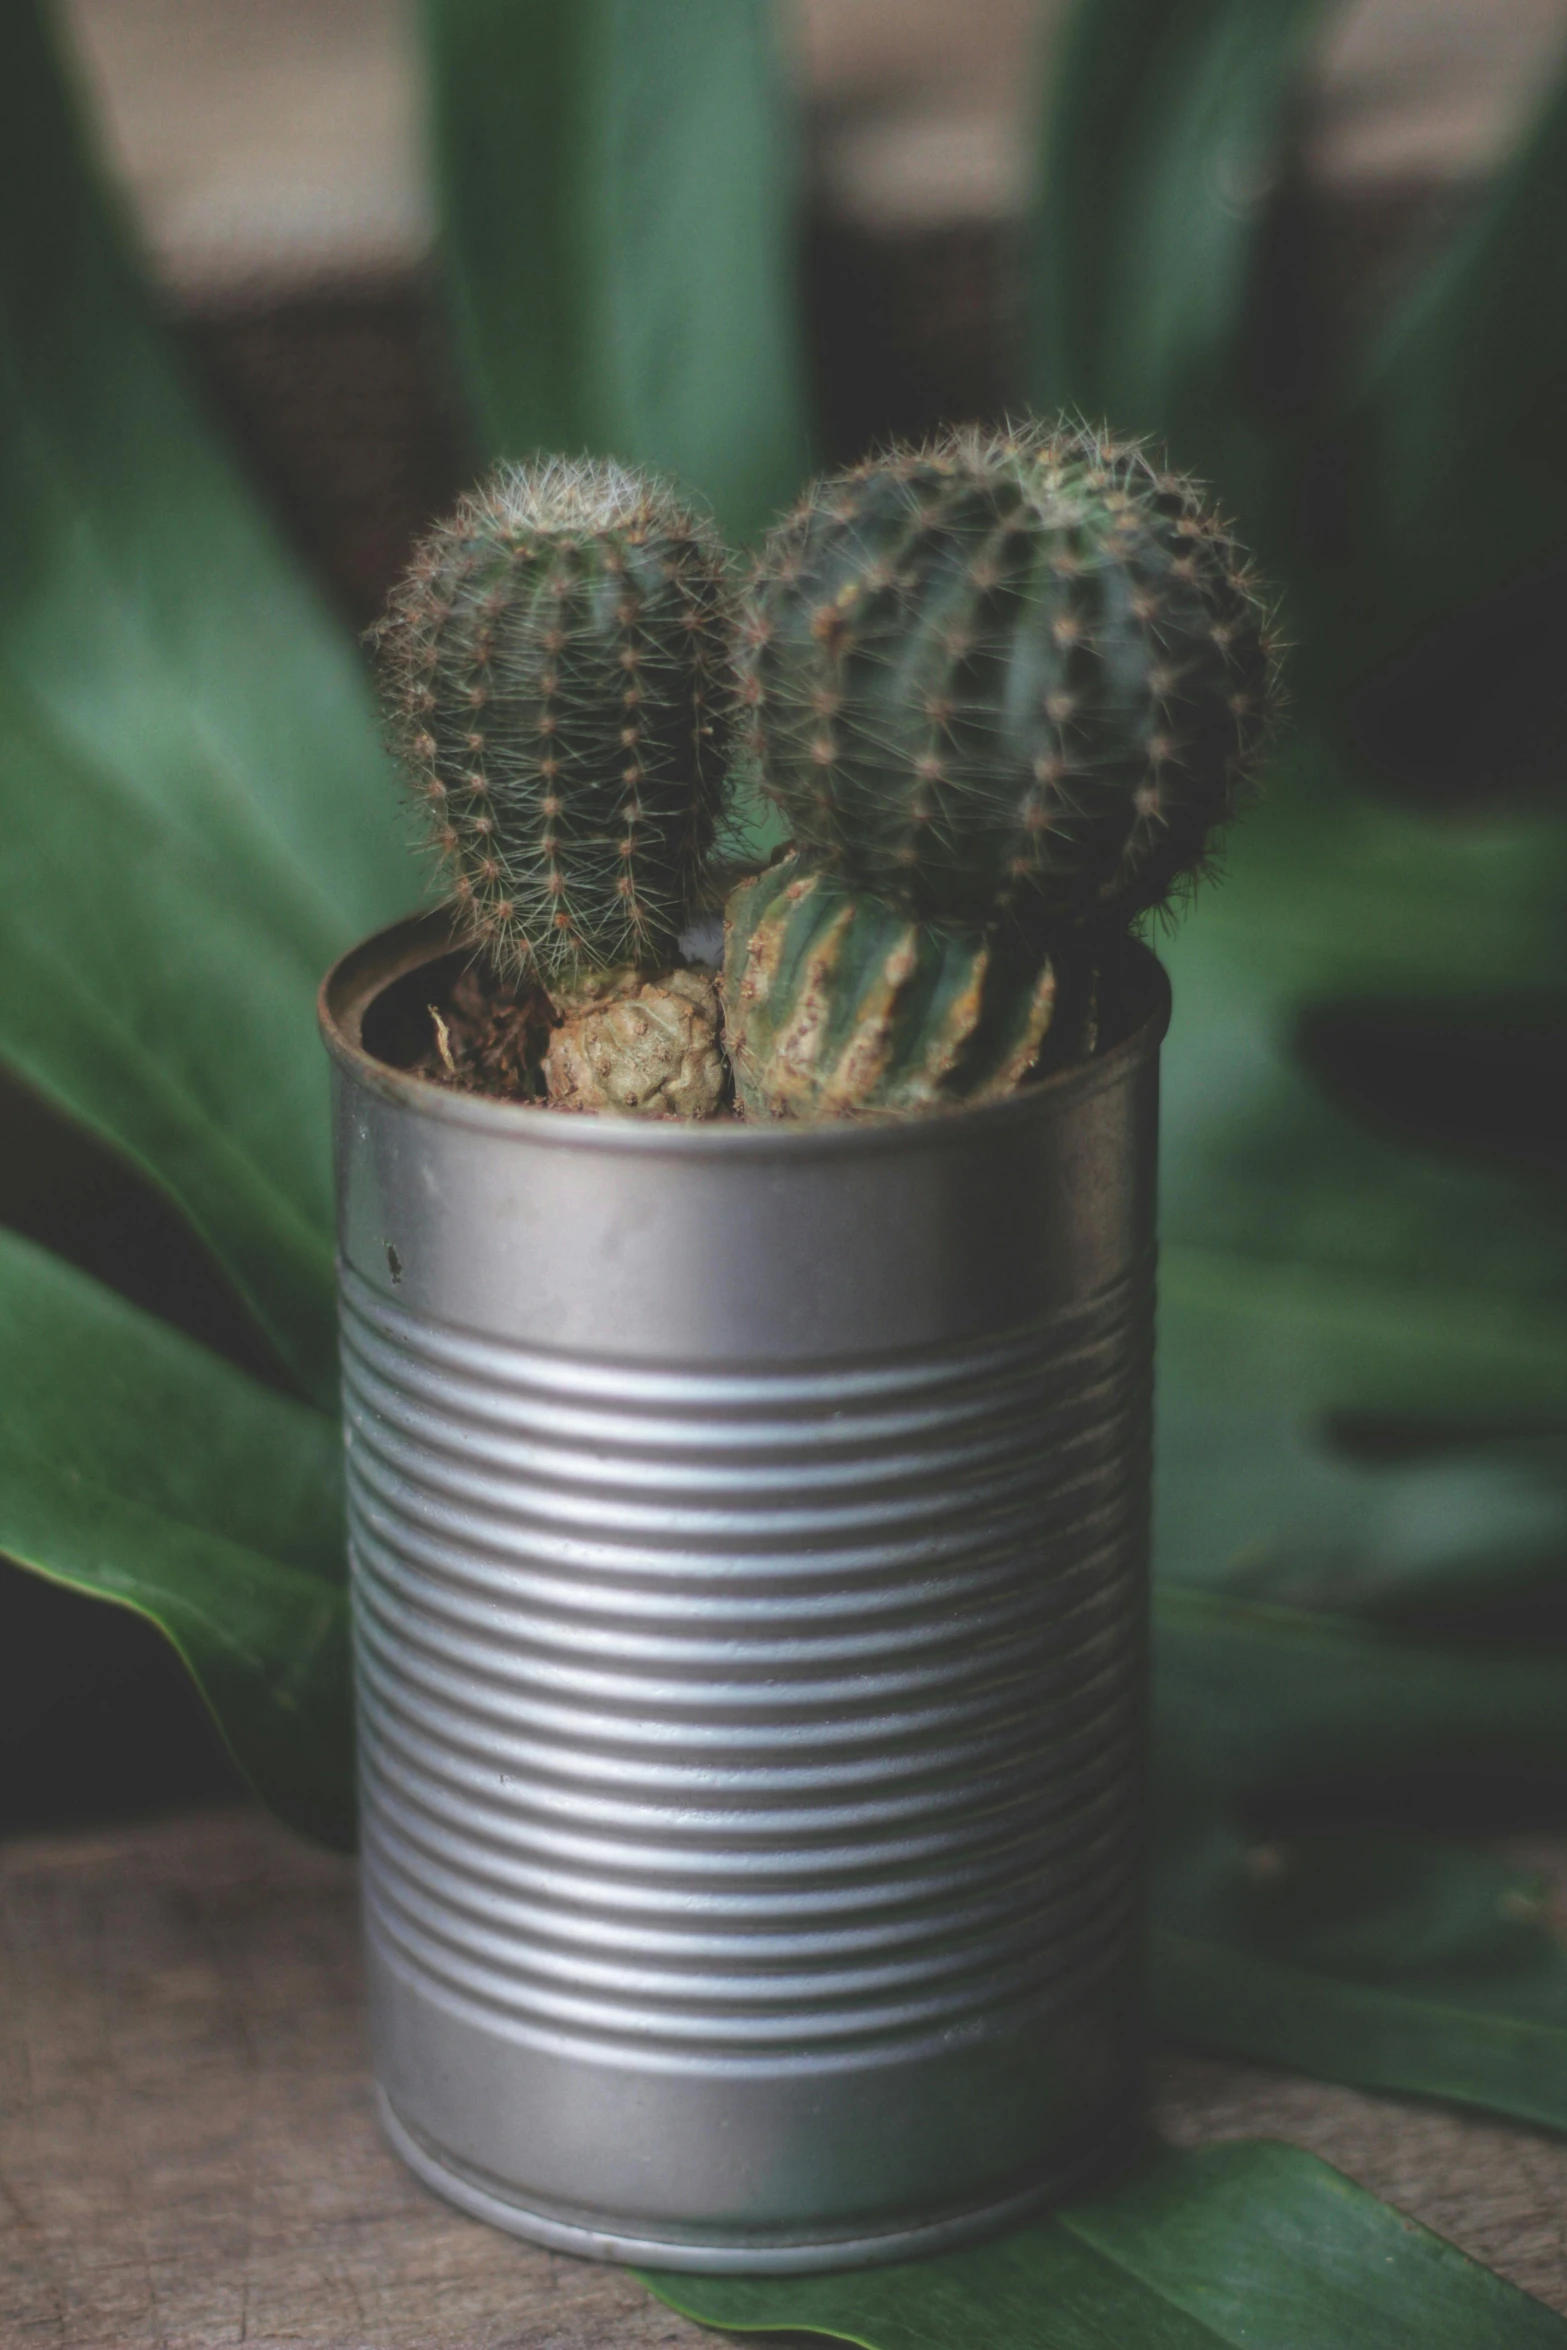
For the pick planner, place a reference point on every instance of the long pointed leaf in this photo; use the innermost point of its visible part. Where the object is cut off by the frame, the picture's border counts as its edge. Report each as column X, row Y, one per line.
column 1162, row 296
column 620, row 223
column 1168, row 124
column 196, row 813
column 1466, row 384
column 139, row 1468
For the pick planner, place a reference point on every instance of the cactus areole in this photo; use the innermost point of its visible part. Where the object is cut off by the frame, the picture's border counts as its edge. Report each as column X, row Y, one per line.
column 556, row 672
column 1016, row 680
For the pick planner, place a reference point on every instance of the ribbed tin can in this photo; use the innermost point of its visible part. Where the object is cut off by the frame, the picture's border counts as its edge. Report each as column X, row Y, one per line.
column 749, row 1544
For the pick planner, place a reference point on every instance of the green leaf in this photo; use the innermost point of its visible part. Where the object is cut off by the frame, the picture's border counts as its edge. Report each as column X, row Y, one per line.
column 1256, row 1702
column 1171, row 290
column 1315, row 1267
column 619, row 204
column 196, row 815
column 1165, row 294
column 1392, row 1961
column 1467, row 1537
column 1246, row 2244
column 1471, row 367
column 1167, row 134
column 137, row 1467
column 1317, row 1270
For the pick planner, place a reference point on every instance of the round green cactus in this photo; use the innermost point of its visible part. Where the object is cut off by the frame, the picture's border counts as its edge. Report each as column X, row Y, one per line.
column 557, row 667
column 1017, row 680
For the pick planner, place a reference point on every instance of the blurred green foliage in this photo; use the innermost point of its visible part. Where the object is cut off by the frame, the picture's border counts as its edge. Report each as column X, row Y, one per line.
column 1394, row 486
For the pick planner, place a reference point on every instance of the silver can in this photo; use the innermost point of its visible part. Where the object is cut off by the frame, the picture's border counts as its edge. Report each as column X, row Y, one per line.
column 749, row 1532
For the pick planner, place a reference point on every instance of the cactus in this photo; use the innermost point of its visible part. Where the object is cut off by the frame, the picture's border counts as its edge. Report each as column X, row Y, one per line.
column 646, row 1047
column 558, row 675
column 834, row 1004
column 1008, row 683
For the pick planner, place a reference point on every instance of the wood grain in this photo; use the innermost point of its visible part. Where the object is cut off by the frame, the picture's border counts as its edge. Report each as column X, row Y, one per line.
column 188, row 2157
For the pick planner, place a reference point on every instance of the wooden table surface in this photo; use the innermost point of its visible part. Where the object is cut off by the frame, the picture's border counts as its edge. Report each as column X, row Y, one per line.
column 189, row 2158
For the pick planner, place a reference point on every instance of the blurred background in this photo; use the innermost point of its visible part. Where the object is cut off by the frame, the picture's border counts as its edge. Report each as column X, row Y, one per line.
column 275, row 162
column 275, row 159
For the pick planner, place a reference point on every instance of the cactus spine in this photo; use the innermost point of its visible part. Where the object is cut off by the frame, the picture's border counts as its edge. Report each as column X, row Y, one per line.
column 557, row 669
column 1008, row 690
column 1008, row 682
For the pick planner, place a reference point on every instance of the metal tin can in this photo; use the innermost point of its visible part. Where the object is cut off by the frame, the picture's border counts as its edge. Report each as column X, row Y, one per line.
column 749, row 1534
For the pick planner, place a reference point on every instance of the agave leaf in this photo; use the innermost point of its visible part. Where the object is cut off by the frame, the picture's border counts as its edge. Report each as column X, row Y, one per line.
column 139, row 1468
column 196, row 813
column 618, row 191
column 1247, row 2244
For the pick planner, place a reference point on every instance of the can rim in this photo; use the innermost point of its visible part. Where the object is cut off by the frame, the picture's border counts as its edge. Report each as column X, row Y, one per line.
column 376, row 963
column 1091, row 2159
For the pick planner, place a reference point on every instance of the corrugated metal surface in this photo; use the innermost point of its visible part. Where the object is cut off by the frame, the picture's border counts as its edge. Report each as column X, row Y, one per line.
column 755, row 1713
column 751, row 1750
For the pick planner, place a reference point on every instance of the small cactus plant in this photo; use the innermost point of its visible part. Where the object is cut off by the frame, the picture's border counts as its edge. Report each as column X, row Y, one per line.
column 1013, row 681
column 640, row 1045
column 834, row 1003
column 1008, row 689
column 557, row 667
